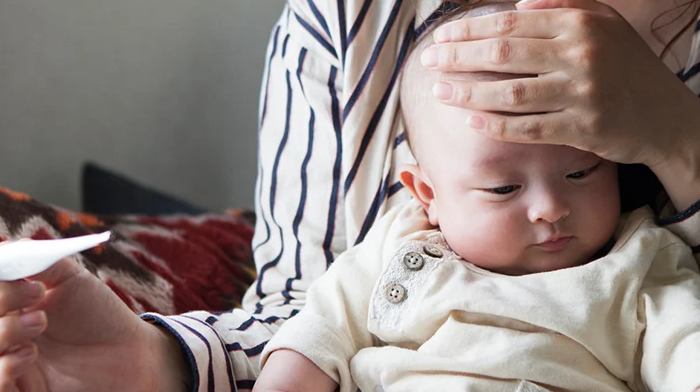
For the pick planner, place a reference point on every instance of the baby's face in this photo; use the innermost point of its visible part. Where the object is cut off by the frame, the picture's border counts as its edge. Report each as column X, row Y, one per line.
column 519, row 209
column 509, row 208
column 514, row 208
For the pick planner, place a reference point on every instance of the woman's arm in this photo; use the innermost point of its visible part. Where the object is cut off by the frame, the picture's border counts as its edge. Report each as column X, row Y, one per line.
column 289, row 371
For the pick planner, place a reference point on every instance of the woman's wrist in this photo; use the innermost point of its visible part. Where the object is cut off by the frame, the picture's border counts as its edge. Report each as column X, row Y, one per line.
column 171, row 369
column 679, row 172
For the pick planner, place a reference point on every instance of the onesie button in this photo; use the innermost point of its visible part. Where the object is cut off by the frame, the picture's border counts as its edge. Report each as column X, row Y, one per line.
column 395, row 293
column 413, row 261
column 433, row 251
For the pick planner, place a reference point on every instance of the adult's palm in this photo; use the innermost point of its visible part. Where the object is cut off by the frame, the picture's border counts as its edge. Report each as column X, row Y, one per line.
column 93, row 342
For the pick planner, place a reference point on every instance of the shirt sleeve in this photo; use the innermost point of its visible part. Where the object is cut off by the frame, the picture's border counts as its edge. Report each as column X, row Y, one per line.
column 685, row 225
column 670, row 311
column 296, row 201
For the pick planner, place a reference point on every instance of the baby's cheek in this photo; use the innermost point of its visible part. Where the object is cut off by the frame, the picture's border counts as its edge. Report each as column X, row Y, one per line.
column 483, row 242
column 598, row 215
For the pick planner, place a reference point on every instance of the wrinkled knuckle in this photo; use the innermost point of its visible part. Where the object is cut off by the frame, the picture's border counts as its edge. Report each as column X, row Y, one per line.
column 501, row 51
column 583, row 54
column 464, row 95
column 506, row 22
column 530, row 131
column 466, row 30
column 585, row 89
column 515, row 94
column 461, row 31
column 498, row 129
column 447, row 56
column 580, row 19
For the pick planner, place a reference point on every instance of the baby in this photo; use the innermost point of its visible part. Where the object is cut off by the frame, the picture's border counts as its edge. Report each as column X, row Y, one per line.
column 510, row 270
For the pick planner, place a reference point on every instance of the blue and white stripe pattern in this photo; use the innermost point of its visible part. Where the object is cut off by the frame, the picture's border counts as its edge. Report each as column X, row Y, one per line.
column 329, row 141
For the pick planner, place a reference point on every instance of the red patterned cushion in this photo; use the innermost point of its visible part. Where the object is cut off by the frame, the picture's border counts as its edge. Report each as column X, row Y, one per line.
column 162, row 264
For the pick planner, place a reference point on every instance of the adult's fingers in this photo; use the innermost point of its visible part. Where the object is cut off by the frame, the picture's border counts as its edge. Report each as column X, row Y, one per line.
column 523, row 95
column 589, row 5
column 545, row 19
column 541, row 24
column 546, row 128
column 17, row 329
column 505, row 55
column 14, row 364
column 19, row 294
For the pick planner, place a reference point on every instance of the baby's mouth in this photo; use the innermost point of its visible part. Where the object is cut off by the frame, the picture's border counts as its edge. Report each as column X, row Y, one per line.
column 554, row 244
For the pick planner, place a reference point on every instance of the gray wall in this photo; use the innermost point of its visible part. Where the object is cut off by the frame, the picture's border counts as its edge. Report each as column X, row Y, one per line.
column 164, row 91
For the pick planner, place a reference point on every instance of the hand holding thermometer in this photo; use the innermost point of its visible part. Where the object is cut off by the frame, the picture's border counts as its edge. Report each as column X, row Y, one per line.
column 24, row 258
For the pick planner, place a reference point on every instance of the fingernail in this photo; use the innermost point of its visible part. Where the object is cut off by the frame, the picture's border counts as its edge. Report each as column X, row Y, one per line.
column 523, row 2
column 443, row 91
column 429, row 57
column 477, row 122
column 442, row 34
column 32, row 320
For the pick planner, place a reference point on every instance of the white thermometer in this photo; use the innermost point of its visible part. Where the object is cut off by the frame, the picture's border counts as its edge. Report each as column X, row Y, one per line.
column 24, row 258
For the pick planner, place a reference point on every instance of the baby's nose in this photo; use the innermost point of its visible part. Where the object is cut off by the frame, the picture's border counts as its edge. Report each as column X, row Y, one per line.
column 549, row 209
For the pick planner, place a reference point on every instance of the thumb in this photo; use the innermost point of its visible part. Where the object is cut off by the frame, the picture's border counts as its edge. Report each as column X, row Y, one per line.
column 589, row 5
column 58, row 273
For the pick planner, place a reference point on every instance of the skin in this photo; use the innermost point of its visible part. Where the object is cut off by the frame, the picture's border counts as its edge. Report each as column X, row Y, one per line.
column 156, row 361
column 503, row 206
column 74, row 326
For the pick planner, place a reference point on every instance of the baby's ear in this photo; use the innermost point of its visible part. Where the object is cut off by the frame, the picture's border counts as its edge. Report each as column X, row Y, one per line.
column 418, row 183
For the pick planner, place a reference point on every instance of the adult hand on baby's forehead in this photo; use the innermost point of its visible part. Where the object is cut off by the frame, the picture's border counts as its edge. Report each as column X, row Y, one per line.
column 598, row 86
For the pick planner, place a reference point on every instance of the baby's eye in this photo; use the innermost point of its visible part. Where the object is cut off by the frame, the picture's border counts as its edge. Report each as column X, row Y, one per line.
column 504, row 190
column 578, row 174
column 582, row 173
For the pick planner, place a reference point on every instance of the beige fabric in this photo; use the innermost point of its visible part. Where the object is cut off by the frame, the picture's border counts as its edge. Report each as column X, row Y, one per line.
column 629, row 319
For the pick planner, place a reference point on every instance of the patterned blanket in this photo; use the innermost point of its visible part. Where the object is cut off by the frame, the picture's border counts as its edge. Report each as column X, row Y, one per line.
column 155, row 264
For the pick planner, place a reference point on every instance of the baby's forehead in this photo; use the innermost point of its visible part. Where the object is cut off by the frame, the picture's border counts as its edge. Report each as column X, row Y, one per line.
column 477, row 153
column 480, row 151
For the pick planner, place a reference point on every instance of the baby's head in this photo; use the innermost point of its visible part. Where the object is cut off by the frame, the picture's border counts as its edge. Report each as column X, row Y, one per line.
column 509, row 208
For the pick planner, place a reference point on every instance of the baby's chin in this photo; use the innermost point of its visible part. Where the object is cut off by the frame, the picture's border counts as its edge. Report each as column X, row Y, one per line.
column 536, row 265
column 522, row 271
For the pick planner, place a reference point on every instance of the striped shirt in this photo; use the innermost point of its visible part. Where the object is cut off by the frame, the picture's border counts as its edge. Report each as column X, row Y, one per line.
column 329, row 142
